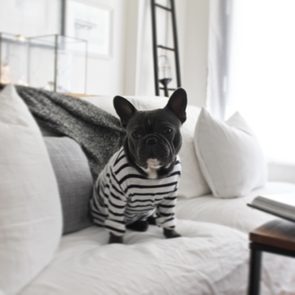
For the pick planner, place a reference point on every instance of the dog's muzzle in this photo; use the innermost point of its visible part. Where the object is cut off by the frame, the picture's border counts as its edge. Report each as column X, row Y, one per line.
column 151, row 140
column 154, row 150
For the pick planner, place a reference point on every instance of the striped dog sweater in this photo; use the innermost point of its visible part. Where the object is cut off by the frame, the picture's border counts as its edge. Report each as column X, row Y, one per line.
column 123, row 195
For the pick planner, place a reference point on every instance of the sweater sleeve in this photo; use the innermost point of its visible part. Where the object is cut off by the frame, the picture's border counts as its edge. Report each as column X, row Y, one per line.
column 165, row 216
column 116, row 204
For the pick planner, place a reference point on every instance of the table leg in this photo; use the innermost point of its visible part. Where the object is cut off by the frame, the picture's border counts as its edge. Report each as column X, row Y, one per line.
column 254, row 274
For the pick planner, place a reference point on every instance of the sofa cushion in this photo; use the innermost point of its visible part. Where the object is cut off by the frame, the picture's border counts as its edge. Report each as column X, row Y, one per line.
column 208, row 259
column 234, row 212
column 192, row 182
column 30, row 211
column 74, row 180
column 231, row 159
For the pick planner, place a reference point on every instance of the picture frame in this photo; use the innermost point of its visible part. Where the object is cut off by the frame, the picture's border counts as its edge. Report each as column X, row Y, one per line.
column 90, row 21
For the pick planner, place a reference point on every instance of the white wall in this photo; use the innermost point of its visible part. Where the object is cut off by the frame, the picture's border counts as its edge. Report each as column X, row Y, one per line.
column 105, row 75
column 195, row 51
column 132, row 36
column 129, row 69
column 20, row 17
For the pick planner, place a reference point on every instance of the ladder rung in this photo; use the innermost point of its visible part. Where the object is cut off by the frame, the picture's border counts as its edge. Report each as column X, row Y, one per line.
column 166, row 48
column 163, row 7
column 170, row 89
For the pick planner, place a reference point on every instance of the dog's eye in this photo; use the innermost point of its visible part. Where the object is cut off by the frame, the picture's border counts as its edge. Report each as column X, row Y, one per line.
column 167, row 130
column 137, row 134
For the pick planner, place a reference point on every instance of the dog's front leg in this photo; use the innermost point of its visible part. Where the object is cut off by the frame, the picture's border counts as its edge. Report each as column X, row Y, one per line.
column 115, row 221
column 115, row 239
column 166, row 217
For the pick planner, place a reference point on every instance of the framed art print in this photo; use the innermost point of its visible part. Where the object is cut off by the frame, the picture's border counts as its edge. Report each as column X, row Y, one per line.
column 90, row 22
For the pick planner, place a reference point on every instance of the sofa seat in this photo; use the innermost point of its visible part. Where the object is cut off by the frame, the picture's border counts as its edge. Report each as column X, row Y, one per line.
column 208, row 259
column 235, row 213
column 232, row 212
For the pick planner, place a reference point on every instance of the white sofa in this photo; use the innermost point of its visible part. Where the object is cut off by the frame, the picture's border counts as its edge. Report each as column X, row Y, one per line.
column 208, row 259
column 211, row 257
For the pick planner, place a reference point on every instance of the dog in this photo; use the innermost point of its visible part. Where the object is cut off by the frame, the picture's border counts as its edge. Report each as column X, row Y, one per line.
column 138, row 185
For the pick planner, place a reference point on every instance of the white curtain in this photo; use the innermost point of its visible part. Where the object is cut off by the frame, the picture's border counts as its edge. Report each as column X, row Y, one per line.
column 260, row 71
column 219, row 38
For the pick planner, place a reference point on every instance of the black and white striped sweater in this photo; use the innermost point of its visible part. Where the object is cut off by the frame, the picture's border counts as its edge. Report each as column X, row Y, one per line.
column 123, row 195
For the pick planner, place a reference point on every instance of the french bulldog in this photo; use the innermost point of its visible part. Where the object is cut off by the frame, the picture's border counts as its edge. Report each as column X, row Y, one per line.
column 138, row 185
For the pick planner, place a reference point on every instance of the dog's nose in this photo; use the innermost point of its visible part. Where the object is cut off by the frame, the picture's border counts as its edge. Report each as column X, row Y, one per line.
column 152, row 140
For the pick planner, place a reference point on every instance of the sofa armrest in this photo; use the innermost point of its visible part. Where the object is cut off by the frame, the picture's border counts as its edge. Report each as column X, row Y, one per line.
column 281, row 172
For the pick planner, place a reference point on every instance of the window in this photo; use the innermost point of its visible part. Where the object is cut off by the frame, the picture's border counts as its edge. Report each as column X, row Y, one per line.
column 261, row 75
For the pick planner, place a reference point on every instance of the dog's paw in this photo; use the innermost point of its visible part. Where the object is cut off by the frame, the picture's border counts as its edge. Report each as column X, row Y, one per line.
column 115, row 239
column 139, row 225
column 170, row 233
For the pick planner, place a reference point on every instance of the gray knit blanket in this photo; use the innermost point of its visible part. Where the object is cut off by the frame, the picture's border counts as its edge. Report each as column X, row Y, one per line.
column 98, row 132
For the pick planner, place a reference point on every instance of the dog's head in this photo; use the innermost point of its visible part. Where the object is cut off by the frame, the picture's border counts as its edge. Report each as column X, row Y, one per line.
column 153, row 138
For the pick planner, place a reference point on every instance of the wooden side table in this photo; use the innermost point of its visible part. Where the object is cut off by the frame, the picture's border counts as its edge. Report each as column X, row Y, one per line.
column 278, row 237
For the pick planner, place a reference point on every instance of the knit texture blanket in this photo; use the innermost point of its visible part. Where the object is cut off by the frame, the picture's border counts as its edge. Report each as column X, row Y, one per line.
column 98, row 132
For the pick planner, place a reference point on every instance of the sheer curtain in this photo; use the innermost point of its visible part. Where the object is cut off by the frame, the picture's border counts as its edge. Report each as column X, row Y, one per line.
column 219, row 42
column 259, row 77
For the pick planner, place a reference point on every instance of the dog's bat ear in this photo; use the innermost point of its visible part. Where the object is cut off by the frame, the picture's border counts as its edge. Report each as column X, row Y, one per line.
column 177, row 104
column 124, row 109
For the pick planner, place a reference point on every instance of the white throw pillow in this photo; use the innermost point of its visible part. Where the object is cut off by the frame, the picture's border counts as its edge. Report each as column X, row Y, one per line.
column 231, row 159
column 192, row 182
column 30, row 210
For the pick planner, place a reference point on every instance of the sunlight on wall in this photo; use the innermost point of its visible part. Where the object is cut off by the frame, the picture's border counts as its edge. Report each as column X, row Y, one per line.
column 262, row 72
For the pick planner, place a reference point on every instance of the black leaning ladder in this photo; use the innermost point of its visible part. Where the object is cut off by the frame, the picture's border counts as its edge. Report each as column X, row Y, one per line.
column 162, row 84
